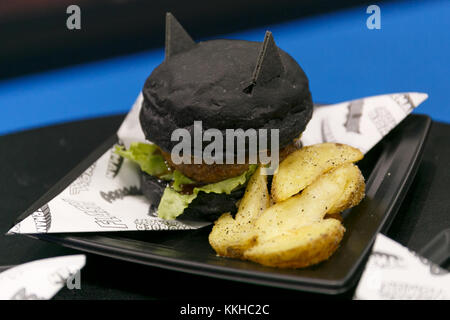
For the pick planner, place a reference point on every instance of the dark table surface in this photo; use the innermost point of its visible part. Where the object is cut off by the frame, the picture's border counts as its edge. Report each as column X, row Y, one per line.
column 32, row 161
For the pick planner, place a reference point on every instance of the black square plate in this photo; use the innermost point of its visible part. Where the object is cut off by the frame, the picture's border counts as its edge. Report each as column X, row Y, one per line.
column 389, row 169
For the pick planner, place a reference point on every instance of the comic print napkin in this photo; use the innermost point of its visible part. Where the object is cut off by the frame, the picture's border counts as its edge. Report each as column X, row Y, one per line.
column 393, row 272
column 41, row 279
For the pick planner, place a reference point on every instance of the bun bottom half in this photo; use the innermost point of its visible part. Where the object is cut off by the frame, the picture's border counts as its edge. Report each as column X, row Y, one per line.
column 206, row 207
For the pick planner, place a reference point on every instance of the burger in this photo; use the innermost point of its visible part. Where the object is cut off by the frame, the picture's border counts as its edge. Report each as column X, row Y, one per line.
column 225, row 84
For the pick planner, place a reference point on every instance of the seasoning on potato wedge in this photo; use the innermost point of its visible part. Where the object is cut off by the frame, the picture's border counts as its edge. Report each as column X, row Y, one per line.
column 294, row 233
column 230, row 237
column 303, row 166
column 300, row 247
column 310, row 206
column 292, row 229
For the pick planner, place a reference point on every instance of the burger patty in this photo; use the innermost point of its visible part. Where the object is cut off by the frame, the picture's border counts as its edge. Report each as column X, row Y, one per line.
column 210, row 173
column 207, row 173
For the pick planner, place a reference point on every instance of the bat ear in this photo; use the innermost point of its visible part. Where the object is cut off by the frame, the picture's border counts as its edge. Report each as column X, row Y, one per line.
column 177, row 39
column 268, row 65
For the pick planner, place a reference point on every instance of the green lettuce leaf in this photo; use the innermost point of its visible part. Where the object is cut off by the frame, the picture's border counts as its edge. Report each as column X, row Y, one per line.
column 173, row 203
column 179, row 179
column 148, row 158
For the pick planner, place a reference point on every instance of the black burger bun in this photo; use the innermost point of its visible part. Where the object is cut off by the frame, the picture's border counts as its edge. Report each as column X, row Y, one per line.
column 210, row 82
column 225, row 84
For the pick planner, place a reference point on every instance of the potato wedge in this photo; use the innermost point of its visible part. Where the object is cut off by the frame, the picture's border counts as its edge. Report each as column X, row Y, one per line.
column 313, row 203
column 290, row 230
column 352, row 194
column 305, row 165
column 230, row 236
column 336, row 216
column 229, row 239
column 299, row 248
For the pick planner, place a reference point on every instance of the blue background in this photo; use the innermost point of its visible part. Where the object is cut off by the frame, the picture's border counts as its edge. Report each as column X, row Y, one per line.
column 342, row 58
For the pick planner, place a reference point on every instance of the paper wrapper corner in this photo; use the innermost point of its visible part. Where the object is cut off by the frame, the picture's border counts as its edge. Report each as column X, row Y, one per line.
column 393, row 272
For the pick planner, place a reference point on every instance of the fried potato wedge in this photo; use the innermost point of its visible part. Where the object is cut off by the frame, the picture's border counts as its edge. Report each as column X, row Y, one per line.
column 292, row 229
column 330, row 191
column 230, row 237
column 336, row 216
column 352, row 194
column 305, row 165
column 299, row 248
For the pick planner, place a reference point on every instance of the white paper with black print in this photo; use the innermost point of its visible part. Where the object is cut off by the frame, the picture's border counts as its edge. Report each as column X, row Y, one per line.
column 394, row 272
column 41, row 279
column 106, row 197
column 360, row 123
